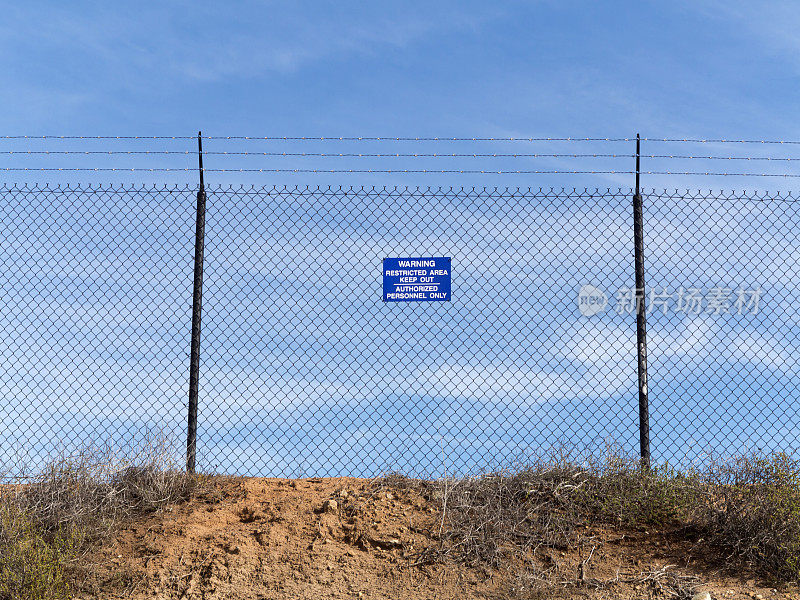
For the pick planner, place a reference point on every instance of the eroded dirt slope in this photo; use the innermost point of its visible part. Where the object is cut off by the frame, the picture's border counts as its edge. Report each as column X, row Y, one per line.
column 348, row 538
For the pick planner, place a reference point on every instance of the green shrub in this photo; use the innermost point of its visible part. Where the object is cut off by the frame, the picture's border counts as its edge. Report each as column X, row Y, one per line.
column 754, row 512
column 621, row 492
column 32, row 561
column 748, row 506
column 75, row 502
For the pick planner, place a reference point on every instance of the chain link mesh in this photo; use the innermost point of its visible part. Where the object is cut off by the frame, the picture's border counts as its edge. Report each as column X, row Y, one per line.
column 95, row 314
column 305, row 371
column 723, row 375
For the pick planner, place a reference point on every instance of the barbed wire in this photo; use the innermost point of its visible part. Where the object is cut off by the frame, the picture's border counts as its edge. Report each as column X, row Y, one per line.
column 253, row 170
column 386, row 171
column 397, row 138
column 697, row 157
column 317, row 154
column 316, row 138
column 494, row 169
column 99, row 137
column 718, row 141
column 388, row 155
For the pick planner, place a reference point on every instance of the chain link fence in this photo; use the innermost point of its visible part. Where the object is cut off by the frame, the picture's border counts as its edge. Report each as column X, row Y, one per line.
column 95, row 310
column 305, row 371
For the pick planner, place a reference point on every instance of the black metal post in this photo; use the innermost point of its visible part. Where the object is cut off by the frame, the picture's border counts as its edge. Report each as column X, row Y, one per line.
column 197, row 301
column 641, row 321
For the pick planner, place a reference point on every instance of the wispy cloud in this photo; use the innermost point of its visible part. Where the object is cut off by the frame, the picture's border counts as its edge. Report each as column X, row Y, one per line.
column 771, row 24
column 212, row 41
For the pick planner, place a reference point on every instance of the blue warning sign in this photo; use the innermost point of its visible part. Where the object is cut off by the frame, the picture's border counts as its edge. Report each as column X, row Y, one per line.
column 416, row 279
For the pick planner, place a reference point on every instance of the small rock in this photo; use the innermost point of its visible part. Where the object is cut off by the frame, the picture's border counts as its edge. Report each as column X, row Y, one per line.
column 330, row 506
column 702, row 596
column 758, row 597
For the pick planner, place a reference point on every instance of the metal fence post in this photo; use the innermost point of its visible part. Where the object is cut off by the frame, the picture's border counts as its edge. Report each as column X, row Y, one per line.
column 641, row 321
column 197, row 301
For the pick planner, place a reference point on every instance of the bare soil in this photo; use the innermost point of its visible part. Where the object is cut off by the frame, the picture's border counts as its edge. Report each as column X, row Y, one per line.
column 348, row 538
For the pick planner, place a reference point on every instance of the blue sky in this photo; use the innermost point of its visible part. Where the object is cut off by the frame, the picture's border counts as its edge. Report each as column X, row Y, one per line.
column 709, row 69
column 567, row 67
column 278, row 346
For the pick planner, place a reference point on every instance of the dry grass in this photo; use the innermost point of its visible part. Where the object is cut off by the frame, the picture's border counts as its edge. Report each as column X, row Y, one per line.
column 487, row 519
column 748, row 506
column 76, row 501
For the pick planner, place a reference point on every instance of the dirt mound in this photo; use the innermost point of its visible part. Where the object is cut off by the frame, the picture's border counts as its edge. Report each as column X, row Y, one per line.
column 349, row 538
column 259, row 538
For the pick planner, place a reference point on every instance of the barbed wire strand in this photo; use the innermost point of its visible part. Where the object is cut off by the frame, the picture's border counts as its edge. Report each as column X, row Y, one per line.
column 313, row 154
column 386, row 171
column 397, row 138
column 386, row 155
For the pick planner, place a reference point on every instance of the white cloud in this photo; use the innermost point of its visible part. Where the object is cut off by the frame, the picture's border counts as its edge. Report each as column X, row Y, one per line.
column 765, row 350
column 607, row 371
